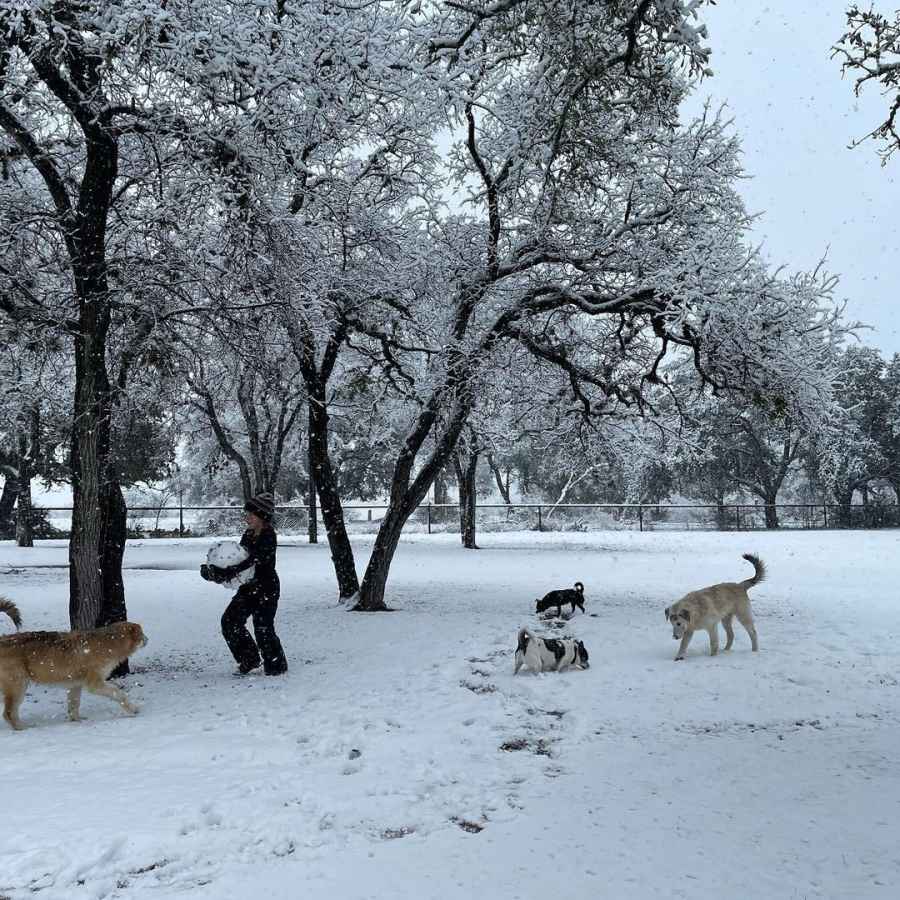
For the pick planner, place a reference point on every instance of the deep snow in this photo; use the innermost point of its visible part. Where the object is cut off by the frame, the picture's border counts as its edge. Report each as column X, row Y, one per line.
column 366, row 771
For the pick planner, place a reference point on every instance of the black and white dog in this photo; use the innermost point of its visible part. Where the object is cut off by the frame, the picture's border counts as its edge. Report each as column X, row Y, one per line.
column 560, row 598
column 549, row 654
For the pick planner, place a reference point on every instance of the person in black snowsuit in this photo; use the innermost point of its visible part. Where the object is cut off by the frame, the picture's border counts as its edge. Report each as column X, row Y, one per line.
column 257, row 598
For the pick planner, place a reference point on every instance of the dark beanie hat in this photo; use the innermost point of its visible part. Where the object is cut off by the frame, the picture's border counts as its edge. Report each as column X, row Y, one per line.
column 263, row 505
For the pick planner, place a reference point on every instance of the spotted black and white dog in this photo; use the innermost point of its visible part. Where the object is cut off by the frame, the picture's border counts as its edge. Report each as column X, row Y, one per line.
column 549, row 654
column 561, row 598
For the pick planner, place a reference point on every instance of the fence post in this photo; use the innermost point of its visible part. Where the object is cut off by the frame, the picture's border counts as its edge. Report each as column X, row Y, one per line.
column 641, row 517
column 540, row 522
column 825, row 513
column 180, row 520
column 428, row 510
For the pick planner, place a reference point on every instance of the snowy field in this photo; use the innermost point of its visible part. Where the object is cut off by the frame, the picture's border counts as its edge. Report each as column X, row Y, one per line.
column 400, row 758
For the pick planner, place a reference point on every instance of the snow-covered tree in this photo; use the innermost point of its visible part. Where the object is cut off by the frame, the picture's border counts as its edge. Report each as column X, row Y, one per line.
column 870, row 50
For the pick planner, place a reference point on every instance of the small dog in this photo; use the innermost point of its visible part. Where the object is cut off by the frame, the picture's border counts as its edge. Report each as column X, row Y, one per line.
column 560, row 598
column 549, row 654
column 709, row 606
column 69, row 659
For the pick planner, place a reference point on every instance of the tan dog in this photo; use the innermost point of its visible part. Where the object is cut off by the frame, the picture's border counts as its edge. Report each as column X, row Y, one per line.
column 709, row 606
column 70, row 659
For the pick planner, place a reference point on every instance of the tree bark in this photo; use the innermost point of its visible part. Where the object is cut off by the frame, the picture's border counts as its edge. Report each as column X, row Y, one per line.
column 116, row 519
column 771, row 511
column 502, row 485
column 376, row 575
column 90, row 452
column 27, row 439
column 466, row 466
column 329, row 499
column 721, row 514
column 311, row 501
column 24, row 514
column 8, row 497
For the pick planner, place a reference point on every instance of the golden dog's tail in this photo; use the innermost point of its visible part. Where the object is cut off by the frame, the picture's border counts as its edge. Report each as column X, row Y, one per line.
column 760, row 573
column 10, row 608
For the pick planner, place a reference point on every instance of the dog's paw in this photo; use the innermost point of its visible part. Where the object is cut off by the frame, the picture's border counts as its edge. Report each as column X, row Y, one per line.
column 131, row 709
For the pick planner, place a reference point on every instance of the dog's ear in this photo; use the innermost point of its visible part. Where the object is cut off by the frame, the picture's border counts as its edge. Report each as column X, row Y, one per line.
column 685, row 614
column 667, row 613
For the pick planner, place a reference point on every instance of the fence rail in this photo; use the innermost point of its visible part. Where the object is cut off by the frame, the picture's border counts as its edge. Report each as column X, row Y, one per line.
column 201, row 521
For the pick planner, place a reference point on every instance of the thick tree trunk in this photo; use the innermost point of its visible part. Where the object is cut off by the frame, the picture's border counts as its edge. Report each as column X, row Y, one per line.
column 113, row 607
column 405, row 498
column 376, row 575
column 90, row 452
column 330, row 501
column 24, row 515
column 466, row 466
column 8, row 497
column 311, row 501
column 771, row 512
column 845, row 510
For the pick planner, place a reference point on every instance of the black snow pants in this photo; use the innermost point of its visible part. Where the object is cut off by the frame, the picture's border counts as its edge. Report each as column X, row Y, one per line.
column 261, row 602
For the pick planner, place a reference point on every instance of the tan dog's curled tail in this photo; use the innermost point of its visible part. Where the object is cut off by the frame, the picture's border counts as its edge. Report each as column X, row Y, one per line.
column 10, row 608
column 760, row 573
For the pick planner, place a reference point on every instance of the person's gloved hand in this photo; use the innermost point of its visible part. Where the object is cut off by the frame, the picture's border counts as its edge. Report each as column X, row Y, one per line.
column 215, row 574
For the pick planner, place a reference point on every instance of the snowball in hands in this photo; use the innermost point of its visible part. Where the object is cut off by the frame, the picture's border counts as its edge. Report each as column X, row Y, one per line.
column 228, row 553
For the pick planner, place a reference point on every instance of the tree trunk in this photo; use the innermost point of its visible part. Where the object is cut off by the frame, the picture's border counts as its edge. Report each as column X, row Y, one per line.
column 24, row 523
column 440, row 497
column 845, row 510
column 28, row 442
column 405, row 498
column 90, row 452
column 113, row 607
column 375, row 578
column 8, row 497
column 466, row 466
column 721, row 513
column 502, row 486
column 332, row 510
column 771, row 512
column 440, row 487
column 311, row 501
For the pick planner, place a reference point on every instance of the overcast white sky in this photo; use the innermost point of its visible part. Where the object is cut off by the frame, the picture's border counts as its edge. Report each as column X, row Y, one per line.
column 796, row 116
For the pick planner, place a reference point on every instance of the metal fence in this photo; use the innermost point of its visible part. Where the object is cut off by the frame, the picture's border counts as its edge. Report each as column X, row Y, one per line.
column 204, row 521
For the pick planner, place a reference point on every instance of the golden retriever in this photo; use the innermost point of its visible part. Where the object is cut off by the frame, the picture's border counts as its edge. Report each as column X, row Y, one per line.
column 69, row 659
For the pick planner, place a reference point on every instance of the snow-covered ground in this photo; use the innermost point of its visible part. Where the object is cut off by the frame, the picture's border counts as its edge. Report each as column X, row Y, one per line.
column 368, row 770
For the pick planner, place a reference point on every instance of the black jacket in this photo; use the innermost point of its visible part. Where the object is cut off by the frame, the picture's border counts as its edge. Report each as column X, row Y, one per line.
column 261, row 549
